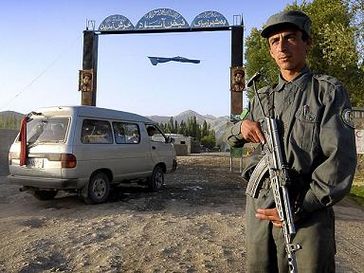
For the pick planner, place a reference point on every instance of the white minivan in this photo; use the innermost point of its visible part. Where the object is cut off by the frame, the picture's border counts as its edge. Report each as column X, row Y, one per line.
column 88, row 150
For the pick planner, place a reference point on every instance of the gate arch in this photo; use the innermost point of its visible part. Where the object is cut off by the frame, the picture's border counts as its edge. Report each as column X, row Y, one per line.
column 162, row 20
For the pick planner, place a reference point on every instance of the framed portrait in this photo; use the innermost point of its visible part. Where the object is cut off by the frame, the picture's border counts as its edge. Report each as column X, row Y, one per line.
column 85, row 80
column 237, row 79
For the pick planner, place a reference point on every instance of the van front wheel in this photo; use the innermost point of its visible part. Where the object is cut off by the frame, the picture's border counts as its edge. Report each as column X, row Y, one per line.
column 98, row 189
column 156, row 181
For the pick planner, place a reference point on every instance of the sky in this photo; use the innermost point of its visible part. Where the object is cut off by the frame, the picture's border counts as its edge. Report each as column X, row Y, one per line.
column 41, row 55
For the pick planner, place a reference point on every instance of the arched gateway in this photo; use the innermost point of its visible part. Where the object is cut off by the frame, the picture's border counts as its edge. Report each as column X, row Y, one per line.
column 163, row 20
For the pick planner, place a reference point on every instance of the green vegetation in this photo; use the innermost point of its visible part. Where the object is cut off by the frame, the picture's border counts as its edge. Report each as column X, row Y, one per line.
column 202, row 133
column 338, row 45
column 357, row 190
column 10, row 120
column 357, row 193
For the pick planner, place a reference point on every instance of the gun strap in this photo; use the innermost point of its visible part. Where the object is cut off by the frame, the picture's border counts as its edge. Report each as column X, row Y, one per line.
column 271, row 103
column 257, row 177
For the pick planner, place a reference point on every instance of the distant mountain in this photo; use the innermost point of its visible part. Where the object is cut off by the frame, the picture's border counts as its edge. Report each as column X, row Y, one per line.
column 11, row 114
column 185, row 116
column 189, row 114
column 218, row 124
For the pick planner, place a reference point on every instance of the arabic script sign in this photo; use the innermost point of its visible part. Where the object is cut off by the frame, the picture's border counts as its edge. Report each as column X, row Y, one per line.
column 116, row 22
column 208, row 19
column 162, row 18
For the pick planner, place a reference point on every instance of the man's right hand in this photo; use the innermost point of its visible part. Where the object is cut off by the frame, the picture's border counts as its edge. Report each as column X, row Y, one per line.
column 251, row 131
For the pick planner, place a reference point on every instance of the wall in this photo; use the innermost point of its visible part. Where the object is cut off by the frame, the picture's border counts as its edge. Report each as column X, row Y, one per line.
column 7, row 137
column 181, row 149
column 182, row 144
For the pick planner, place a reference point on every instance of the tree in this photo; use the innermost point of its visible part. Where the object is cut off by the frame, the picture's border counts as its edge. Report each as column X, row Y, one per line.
column 209, row 141
column 193, row 129
column 170, row 124
column 205, row 129
column 10, row 122
column 201, row 133
column 357, row 11
column 334, row 51
column 182, row 129
column 175, row 128
column 258, row 57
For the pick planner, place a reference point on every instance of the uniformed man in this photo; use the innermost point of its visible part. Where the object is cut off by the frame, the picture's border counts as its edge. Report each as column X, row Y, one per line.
column 317, row 136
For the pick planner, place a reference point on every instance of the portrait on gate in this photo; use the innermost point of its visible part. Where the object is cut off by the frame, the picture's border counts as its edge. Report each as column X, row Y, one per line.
column 237, row 83
column 85, row 80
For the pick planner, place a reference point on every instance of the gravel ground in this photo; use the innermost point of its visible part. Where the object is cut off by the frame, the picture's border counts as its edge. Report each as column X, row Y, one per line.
column 195, row 224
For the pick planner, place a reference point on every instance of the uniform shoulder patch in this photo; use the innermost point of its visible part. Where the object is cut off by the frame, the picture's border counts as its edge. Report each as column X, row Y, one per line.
column 347, row 117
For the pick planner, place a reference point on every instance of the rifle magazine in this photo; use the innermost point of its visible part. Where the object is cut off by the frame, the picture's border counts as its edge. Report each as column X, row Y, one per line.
column 257, row 177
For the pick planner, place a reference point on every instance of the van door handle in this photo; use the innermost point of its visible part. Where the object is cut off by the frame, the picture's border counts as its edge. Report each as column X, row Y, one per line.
column 153, row 147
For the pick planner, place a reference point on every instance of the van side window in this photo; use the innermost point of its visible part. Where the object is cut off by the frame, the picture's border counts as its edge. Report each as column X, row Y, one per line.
column 96, row 132
column 155, row 133
column 125, row 132
column 52, row 130
column 119, row 132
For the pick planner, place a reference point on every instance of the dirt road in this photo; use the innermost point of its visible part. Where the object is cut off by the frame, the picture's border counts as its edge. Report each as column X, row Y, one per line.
column 195, row 224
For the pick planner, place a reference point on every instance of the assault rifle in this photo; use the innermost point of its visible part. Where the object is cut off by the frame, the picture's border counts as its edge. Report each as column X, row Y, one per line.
column 274, row 162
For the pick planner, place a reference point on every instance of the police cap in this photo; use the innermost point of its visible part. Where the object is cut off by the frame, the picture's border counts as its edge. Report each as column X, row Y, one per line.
column 294, row 18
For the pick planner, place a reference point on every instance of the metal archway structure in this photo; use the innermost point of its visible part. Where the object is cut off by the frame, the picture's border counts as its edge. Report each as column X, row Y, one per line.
column 162, row 20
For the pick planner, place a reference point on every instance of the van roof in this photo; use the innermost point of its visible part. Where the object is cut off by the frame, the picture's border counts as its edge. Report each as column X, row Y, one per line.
column 92, row 111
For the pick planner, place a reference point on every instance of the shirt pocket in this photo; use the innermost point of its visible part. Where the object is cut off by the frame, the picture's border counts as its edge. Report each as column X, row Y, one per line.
column 305, row 130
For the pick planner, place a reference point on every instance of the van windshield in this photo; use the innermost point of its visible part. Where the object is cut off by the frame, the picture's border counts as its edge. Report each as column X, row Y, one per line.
column 47, row 130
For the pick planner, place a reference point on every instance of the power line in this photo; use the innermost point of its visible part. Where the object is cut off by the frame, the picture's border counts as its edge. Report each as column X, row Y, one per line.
column 44, row 71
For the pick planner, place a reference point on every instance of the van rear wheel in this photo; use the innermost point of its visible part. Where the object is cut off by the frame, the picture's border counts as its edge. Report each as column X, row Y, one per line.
column 156, row 181
column 98, row 189
column 44, row 195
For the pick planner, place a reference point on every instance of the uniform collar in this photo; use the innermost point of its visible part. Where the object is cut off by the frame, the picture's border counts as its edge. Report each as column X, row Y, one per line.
column 299, row 81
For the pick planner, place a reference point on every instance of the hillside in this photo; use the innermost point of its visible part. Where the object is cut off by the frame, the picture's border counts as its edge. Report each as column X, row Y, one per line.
column 10, row 119
column 218, row 124
column 184, row 116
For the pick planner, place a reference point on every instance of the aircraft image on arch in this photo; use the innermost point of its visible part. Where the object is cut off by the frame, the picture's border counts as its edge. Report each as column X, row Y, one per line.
column 157, row 60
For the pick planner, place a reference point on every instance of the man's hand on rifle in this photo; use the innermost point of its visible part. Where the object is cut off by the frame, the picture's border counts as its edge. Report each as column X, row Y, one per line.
column 251, row 131
column 270, row 215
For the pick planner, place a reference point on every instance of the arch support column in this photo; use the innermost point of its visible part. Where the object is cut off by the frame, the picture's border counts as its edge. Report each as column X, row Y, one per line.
column 236, row 99
column 89, row 62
